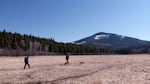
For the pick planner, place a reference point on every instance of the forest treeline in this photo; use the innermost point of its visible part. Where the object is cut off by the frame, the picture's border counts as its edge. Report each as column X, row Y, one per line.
column 15, row 44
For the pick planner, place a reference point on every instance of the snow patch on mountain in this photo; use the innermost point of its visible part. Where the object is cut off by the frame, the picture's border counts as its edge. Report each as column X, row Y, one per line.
column 102, row 36
column 79, row 43
column 122, row 37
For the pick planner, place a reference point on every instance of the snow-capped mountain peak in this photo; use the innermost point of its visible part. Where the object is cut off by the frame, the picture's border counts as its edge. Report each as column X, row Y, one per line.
column 111, row 40
column 102, row 36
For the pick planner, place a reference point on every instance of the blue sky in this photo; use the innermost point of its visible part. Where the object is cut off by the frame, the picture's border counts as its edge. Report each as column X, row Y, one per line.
column 70, row 20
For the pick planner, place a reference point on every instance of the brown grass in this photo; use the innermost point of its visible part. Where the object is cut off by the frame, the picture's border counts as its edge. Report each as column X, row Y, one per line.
column 104, row 69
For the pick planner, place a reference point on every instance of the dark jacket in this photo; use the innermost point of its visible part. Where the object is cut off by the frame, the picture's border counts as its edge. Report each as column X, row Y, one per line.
column 67, row 56
column 26, row 59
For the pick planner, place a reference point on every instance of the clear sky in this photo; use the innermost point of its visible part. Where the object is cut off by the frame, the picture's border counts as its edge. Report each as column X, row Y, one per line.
column 70, row 20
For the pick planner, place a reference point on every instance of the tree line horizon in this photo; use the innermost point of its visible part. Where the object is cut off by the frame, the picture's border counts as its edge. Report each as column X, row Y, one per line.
column 16, row 44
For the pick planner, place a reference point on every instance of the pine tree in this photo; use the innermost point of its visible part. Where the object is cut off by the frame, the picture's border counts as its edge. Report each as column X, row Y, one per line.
column 14, row 42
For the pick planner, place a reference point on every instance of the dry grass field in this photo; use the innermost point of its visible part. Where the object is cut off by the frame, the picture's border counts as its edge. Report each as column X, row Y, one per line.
column 103, row 69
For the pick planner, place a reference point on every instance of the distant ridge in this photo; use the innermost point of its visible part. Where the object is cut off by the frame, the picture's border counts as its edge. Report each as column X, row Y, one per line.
column 112, row 40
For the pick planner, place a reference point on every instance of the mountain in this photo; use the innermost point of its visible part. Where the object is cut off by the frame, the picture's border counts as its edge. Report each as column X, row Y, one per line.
column 112, row 40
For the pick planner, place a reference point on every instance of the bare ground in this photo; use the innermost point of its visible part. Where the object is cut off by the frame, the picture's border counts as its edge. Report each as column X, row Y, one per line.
column 102, row 69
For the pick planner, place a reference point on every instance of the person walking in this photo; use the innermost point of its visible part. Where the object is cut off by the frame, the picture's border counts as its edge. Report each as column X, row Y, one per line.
column 67, row 59
column 26, row 61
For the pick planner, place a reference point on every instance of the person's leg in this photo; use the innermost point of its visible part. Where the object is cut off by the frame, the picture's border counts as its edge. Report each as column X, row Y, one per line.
column 29, row 66
column 67, row 62
column 25, row 66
